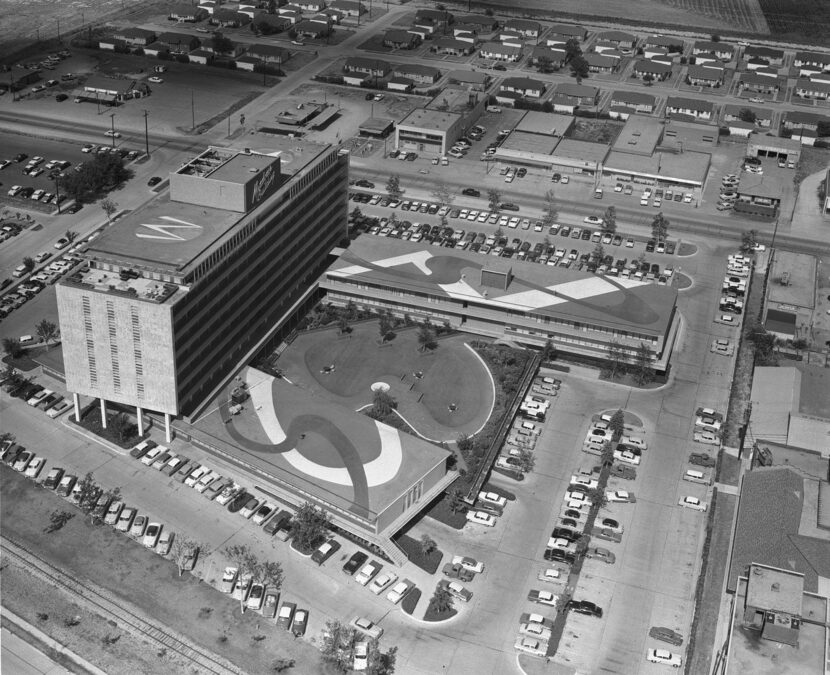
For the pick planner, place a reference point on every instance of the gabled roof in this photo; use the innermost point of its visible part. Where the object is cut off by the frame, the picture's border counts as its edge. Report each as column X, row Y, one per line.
column 808, row 85
column 663, row 41
column 600, row 60
column 799, row 117
column 416, row 69
column 689, row 104
column 756, row 78
column 616, row 36
column 715, row 47
column 754, row 51
column 398, row 35
column 633, row 98
column 654, row 67
column 696, row 72
column 813, row 57
column 577, row 90
column 523, row 83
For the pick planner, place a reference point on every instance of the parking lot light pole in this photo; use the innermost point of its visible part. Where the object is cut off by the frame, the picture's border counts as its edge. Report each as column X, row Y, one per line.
column 112, row 128
column 57, row 192
column 146, row 135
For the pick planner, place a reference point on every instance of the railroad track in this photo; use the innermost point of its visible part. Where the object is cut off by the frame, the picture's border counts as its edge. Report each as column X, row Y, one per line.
column 111, row 607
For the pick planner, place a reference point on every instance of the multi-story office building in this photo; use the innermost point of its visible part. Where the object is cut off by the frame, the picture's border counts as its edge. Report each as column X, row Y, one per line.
column 580, row 313
column 175, row 297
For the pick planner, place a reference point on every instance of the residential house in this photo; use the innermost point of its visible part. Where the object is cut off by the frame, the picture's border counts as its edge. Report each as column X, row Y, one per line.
column 417, row 73
column 187, row 13
column 571, row 30
column 642, row 103
column 657, row 54
column 335, row 15
column 556, row 57
column 646, row 69
column 760, row 84
column 509, row 37
column 135, row 37
column 774, row 57
column 174, row 43
column 525, row 86
column 508, row 98
column 805, row 88
column 500, row 52
column 618, row 38
column 600, row 63
column 478, row 23
column 367, row 66
column 452, row 46
column 439, row 18
column 740, row 128
column 581, row 94
column 706, row 59
column 111, row 43
column 732, row 113
column 704, row 76
column 700, row 110
column 801, row 119
column 811, row 63
column 269, row 53
column 311, row 5
column 294, row 16
column 557, row 39
column 349, row 7
column 823, row 78
column 313, row 28
column 472, row 80
column 403, row 84
column 228, row 18
column 400, row 39
column 672, row 44
column 425, row 28
column 275, row 23
column 201, row 56
column 529, row 29
column 721, row 50
column 358, row 79
column 468, row 36
column 248, row 63
column 563, row 104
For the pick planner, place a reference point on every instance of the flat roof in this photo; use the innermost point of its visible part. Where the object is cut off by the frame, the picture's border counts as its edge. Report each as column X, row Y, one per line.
column 621, row 304
column 378, row 124
column 687, row 166
column 451, row 98
column 640, row 135
column 773, row 588
column 766, row 185
column 549, row 124
column 775, row 396
column 239, row 169
column 523, row 141
column 429, row 118
column 801, row 269
column 810, row 433
column 339, row 455
column 586, row 150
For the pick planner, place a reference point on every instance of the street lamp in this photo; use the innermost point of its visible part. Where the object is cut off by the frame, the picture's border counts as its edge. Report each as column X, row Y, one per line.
column 57, row 192
column 112, row 128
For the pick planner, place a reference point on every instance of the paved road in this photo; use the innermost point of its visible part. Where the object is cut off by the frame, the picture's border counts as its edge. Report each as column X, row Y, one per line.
column 20, row 658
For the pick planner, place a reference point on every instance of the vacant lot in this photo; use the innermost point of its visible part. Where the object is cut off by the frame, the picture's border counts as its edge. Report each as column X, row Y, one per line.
column 596, row 131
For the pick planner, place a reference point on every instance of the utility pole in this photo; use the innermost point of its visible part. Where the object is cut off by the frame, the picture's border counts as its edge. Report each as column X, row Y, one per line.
column 146, row 134
column 57, row 193
column 59, row 39
column 229, row 125
column 112, row 120
column 192, row 112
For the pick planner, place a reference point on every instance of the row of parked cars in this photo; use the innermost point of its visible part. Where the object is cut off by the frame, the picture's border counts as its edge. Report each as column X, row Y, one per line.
column 37, row 396
column 50, row 275
column 259, row 598
column 734, row 286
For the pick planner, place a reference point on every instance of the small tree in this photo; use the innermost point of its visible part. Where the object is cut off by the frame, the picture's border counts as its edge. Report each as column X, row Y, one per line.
column 442, row 194
column 426, row 339
column 549, row 210
column 393, row 186
column 382, row 404
column 343, row 325
column 381, row 663
column 715, row 37
column 616, row 360
column 748, row 240
column 384, row 327
column 747, row 115
column 442, row 599
column 659, row 227
column 526, row 460
column 246, row 564
column 597, row 498
column 181, row 551
column 337, row 645
column 548, row 352
column 29, row 263
column 88, row 492
column 46, row 331
column 221, row 44
column 494, row 197
column 457, row 503
column 121, row 426
column 579, row 68
column 309, row 528
column 572, row 49
column 643, row 372
column 428, row 544
column 271, row 574
column 356, row 216
column 12, row 347
column 599, row 252
column 648, row 78
column 109, row 207
column 609, row 220
column 607, row 454
column 617, row 424
column 544, row 64
column 70, row 235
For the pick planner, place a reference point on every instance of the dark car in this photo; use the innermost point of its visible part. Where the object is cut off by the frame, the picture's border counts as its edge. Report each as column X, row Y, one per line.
column 20, row 157
column 300, row 622
column 701, row 459
column 74, row 208
column 470, row 192
column 565, row 533
column 558, row 555
column 238, row 502
column 61, row 97
column 370, row 97
column 556, row 177
column 492, row 509
column 364, row 183
column 508, row 206
column 142, row 449
column 623, row 471
column 355, row 562
column 650, row 244
column 155, row 180
column 584, row 607
column 499, row 67
column 670, row 248
column 53, row 479
column 666, row 635
column 274, row 523
column 325, row 551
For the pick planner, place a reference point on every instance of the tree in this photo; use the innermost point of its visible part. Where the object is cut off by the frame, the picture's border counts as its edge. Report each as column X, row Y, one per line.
column 599, row 252
column 98, row 175
column 221, row 44
column 748, row 240
column 579, row 68
column 121, row 426
column 428, row 545
column 457, row 503
column 309, row 528
column 597, row 498
column 548, row 352
column 181, row 551
column 544, row 64
column 715, row 37
column 88, row 492
column 747, row 115
column 246, row 564
column 337, row 645
column 381, row 663
column 494, row 197
column 609, row 220
column 643, row 372
column 29, row 263
column 393, row 186
column 442, row 599
column 70, row 235
column 617, row 424
column 46, row 331
column 382, row 404
column 12, row 347
column 269, row 573
column 648, row 78
column 659, row 227
column 572, row 49
column 616, row 360
column 426, row 338
column 442, row 194
column 549, row 211
column 384, row 326
column 109, row 206
column 763, row 341
column 607, row 454
column 799, row 344
column 356, row 216
column 526, row 460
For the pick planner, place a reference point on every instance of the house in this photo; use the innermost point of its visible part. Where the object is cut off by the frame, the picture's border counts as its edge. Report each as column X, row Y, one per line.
column 201, row 56
column 657, row 54
column 756, row 64
column 403, row 84
column 646, row 69
column 529, row 29
column 809, row 89
column 361, row 64
column 111, row 43
column 228, row 18
column 812, row 59
column 472, row 80
column 571, row 30
column 425, row 28
column 478, row 23
column 311, row 5
column 335, row 15
column 313, row 28
column 358, row 79
column 732, row 113
column 557, row 39
column 452, row 46
column 706, row 58
column 416, row 73
column 175, row 43
column 187, row 13
column 468, row 36
column 642, row 103
column 701, row 110
column 525, row 86
column 269, row 53
column 798, row 119
column 673, row 45
column 760, row 84
column 271, row 23
column 248, row 63
column 556, row 57
column 294, row 16
column 579, row 93
column 439, row 18
column 721, row 50
column 823, row 78
column 400, row 39
column 500, row 52
column 136, row 37
column 772, row 56
column 563, row 104
column 600, row 63
column 349, row 7
column 508, row 98
column 509, row 37
column 704, row 76
column 740, row 128
column 618, row 38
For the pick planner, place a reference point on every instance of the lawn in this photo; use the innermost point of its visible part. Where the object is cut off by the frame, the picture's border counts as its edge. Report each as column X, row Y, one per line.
column 427, row 562
column 410, row 601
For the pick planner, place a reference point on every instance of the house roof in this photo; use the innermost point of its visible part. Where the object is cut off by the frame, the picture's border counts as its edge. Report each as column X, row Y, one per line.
column 600, row 60
column 578, row 90
column 663, row 41
column 573, row 30
column 398, row 35
column 477, row 20
column 633, row 98
column 541, row 51
column 363, row 62
column 813, row 57
column 755, row 51
column 523, row 25
column 416, row 69
column 802, row 117
column 523, row 83
column 616, row 36
column 775, row 589
column 499, row 48
column 653, row 67
column 809, row 85
column 732, row 110
column 258, row 50
column 689, row 104
column 757, row 78
column 715, row 47
column 453, row 43
column 696, row 72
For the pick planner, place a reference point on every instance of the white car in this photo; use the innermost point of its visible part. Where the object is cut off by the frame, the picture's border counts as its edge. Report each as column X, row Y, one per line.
column 361, row 656
column 627, row 457
column 708, row 422
column 467, row 563
column 535, row 630
column 592, row 220
column 707, row 437
column 543, row 597
column 492, row 498
column 155, row 79
column 194, row 477
column 367, row 572
column 663, row 656
column 620, row 496
column 694, row 503
column 366, row 627
column 634, row 441
column 35, row 467
column 112, row 134
column 381, row 581
column 153, row 455
column 590, row 483
column 552, row 575
column 530, row 646
column 399, row 590
column 481, row 518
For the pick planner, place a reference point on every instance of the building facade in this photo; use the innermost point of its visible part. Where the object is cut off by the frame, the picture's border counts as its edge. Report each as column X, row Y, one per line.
column 176, row 296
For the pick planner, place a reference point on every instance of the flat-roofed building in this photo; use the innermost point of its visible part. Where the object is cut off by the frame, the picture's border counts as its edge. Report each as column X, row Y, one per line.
column 548, row 124
column 639, row 136
column 582, row 157
column 760, row 195
column 175, row 297
column 580, row 313
column 773, row 604
column 685, row 171
column 436, row 126
column 790, row 295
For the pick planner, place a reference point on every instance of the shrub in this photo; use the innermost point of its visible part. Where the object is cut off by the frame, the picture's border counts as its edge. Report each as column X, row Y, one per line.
column 428, row 562
column 409, row 602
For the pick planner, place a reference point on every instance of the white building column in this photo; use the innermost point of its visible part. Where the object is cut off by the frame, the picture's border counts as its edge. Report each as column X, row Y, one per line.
column 103, row 413
column 140, row 417
column 168, row 435
column 77, row 401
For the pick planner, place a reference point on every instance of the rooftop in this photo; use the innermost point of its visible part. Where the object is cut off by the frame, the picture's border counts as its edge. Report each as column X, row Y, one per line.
column 771, row 588
column 452, row 99
column 686, row 166
column 621, row 304
column 733, row 110
column 775, row 396
column 430, row 119
column 639, row 135
column 523, row 141
column 801, row 272
column 633, row 98
column 577, row 90
column 586, row 150
column 549, row 124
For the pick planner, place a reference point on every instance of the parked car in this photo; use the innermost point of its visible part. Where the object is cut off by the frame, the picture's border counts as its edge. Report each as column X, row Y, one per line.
column 263, row 512
column 693, row 503
column 35, row 467
column 300, row 624
column 602, row 554
column 65, row 486
column 125, row 520
column 584, row 607
column 357, row 559
column 399, row 590
column 360, row 661
column 543, row 597
column 152, row 534
column 366, row 627
column 368, row 572
column 382, row 581
column 325, row 551
column 457, row 590
column 286, row 615
column 270, row 604
column 228, row 581
column 113, row 512
column 664, row 656
column 138, row 527
column 666, row 635
column 481, row 518
column 165, row 542
column 255, row 597
column 249, row 508
column 457, row 571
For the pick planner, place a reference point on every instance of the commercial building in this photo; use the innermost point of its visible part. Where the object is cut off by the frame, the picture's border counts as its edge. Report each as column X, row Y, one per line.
column 175, row 297
column 580, row 313
column 686, row 171
column 791, row 295
column 436, row 126
column 774, row 147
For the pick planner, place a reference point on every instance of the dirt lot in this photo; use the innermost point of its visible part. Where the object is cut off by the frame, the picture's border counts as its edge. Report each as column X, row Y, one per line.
column 138, row 576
